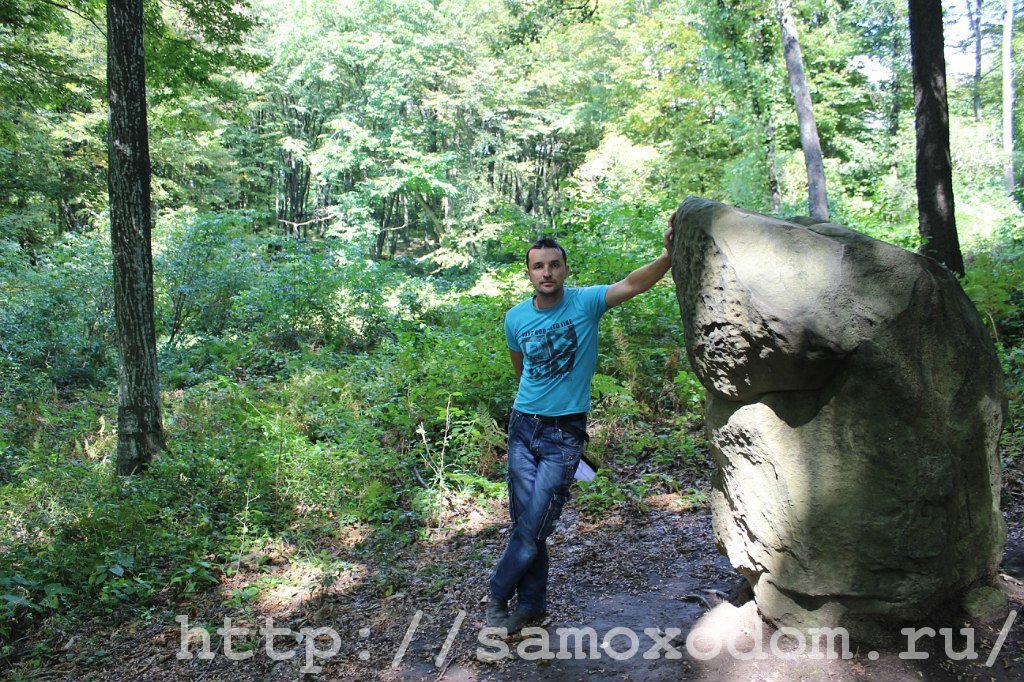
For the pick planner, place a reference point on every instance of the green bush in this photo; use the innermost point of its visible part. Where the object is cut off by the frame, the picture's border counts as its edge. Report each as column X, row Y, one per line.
column 995, row 283
column 294, row 299
column 57, row 323
column 205, row 261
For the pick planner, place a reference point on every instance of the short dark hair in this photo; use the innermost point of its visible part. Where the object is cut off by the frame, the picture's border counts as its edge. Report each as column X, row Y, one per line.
column 545, row 243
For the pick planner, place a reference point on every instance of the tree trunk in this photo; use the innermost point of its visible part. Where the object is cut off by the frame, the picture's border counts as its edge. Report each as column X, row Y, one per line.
column 140, row 434
column 768, row 139
column 936, row 216
column 895, row 51
column 1008, row 97
column 763, row 114
column 68, row 215
column 817, row 198
column 974, row 19
column 894, row 104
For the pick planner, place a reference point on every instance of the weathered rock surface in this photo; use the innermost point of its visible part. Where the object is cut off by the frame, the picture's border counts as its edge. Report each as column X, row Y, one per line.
column 854, row 408
column 986, row 604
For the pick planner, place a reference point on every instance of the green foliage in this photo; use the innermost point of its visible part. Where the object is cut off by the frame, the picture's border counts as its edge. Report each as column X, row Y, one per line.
column 600, row 495
column 453, row 432
column 995, row 282
column 189, row 43
column 295, row 298
column 529, row 20
column 129, row 537
column 690, row 394
column 47, row 174
column 352, row 377
column 229, row 300
column 31, row 70
column 204, row 263
column 57, row 320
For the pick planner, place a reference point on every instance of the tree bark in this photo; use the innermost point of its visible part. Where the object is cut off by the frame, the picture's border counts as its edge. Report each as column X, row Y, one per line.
column 898, row 47
column 768, row 138
column 762, row 109
column 974, row 19
column 936, row 215
column 817, row 197
column 894, row 49
column 1008, row 97
column 140, row 434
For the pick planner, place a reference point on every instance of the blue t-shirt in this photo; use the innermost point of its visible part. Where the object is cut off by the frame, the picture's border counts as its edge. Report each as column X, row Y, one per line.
column 559, row 347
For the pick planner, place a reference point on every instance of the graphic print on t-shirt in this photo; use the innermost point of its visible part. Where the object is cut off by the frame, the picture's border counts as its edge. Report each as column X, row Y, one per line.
column 551, row 352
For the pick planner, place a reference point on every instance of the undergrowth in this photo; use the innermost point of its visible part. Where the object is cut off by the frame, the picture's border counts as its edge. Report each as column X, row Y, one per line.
column 307, row 392
column 310, row 392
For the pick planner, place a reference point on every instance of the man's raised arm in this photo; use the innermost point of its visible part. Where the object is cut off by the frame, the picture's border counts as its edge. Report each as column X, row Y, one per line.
column 643, row 278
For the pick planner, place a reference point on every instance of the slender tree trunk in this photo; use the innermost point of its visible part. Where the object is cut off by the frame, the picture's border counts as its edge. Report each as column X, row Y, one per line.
column 936, row 215
column 1008, row 96
column 768, row 138
column 817, row 198
column 68, row 215
column 898, row 50
column 894, row 124
column 771, row 158
column 140, row 433
column 974, row 19
column 894, row 110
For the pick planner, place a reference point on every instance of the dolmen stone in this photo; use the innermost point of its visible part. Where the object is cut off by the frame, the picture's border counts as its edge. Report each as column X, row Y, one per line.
column 854, row 407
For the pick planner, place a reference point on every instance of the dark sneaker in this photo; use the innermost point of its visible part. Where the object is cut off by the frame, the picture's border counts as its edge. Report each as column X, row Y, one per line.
column 520, row 619
column 497, row 613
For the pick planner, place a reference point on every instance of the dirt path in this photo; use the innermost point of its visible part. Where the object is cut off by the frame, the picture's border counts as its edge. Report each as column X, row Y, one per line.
column 641, row 581
column 653, row 570
column 661, row 571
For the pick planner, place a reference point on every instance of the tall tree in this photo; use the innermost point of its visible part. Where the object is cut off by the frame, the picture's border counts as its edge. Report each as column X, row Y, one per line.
column 741, row 49
column 817, row 197
column 936, row 217
column 140, row 434
column 974, row 19
column 883, row 34
column 1008, row 96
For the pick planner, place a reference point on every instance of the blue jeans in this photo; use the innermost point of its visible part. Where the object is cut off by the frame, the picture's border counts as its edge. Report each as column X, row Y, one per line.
column 542, row 459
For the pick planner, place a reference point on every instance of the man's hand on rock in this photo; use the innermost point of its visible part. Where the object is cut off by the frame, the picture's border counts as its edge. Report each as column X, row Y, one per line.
column 669, row 234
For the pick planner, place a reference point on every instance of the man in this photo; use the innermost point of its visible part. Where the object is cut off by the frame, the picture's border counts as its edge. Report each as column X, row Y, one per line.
column 552, row 341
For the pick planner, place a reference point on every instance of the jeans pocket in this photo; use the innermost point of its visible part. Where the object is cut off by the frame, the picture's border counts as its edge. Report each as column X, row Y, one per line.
column 552, row 513
column 513, row 419
column 571, row 445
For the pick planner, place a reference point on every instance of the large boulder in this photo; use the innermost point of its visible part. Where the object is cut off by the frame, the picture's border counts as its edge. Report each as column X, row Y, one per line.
column 854, row 407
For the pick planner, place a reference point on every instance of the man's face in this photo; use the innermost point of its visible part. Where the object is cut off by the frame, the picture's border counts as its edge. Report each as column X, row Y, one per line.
column 547, row 271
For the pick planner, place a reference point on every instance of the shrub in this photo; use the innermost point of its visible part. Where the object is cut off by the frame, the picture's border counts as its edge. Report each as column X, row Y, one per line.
column 995, row 283
column 205, row 262
column 58, row 319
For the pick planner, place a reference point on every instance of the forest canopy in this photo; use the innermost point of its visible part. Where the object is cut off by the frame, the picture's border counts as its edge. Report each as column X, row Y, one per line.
column 428, row 125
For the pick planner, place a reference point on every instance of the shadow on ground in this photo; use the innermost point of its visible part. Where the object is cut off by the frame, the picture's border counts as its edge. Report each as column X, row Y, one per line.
column 627, row 592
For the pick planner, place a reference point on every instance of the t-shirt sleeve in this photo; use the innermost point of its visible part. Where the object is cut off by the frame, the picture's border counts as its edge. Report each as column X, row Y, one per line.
column 510, row 334
column 594, row 300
